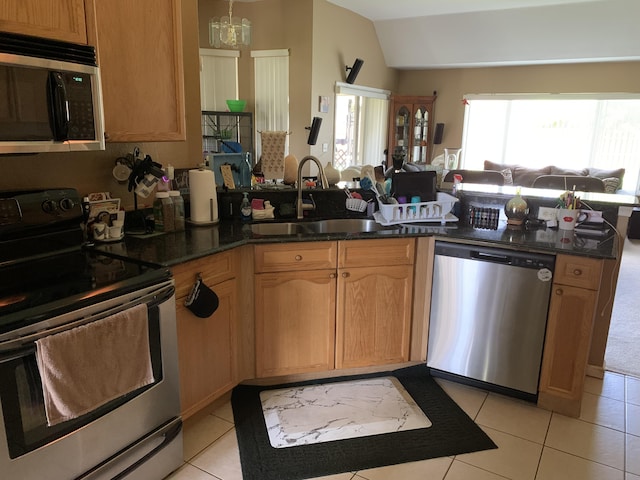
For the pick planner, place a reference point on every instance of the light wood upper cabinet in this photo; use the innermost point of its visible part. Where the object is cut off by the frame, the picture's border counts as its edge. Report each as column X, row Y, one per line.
column 207, row 346
column 57, row 20
column 139, row 47
column 570, row 322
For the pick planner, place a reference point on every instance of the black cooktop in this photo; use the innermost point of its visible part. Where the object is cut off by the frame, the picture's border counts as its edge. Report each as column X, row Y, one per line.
column 42, row 288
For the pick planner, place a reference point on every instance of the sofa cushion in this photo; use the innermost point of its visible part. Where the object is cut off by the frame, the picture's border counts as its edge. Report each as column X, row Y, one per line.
column 520, row 175
column 602, row 174
column 567, row 171
column 611, row 185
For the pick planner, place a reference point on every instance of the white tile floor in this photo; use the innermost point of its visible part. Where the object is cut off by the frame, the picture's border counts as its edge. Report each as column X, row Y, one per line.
column 603, row 444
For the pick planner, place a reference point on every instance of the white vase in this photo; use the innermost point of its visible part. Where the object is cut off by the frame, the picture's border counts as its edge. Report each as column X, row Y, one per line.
column 290, row 169
column 332, row 174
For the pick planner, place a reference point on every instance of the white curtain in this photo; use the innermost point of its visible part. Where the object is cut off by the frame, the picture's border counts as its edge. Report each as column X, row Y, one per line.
column 374, row 130
column 271, row 93
column 218, row 78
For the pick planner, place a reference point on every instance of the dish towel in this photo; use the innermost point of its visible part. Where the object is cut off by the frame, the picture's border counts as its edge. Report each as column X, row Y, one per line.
column 85, row 367
column 272, row 157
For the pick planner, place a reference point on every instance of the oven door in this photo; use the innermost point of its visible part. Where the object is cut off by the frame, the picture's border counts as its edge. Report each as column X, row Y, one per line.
column 29, row 449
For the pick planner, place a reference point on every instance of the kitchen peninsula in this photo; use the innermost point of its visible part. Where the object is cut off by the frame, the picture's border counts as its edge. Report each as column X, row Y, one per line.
column 232, row 261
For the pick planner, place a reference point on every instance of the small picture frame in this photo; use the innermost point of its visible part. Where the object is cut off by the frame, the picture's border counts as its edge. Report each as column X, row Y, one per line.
column 323, row 104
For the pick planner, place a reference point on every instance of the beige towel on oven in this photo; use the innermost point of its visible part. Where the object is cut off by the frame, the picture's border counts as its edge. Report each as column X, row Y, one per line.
column 88, row 366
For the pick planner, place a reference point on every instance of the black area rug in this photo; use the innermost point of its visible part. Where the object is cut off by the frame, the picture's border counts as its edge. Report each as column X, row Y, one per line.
column 452, row 433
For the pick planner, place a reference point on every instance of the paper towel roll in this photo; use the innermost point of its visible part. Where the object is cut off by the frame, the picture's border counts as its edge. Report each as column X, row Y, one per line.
column 203, row 197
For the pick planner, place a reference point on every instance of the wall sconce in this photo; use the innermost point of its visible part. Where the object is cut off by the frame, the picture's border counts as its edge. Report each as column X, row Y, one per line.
column 314, row 129
column 229, row 31
column 354, row 70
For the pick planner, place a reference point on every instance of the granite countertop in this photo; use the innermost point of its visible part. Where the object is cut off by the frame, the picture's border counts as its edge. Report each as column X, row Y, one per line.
column 170, row 249
column 198, row 241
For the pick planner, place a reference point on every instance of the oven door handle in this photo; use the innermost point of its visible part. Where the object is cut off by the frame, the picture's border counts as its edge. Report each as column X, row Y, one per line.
column 25, row 342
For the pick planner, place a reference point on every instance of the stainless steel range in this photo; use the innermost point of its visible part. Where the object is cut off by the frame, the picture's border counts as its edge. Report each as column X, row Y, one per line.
column 50, row 286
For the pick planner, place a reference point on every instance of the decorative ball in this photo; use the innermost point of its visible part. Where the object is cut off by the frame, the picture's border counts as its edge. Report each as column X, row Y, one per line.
column 516, row 210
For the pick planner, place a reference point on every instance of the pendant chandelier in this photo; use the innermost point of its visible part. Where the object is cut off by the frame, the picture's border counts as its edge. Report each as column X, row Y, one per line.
column 229, row 32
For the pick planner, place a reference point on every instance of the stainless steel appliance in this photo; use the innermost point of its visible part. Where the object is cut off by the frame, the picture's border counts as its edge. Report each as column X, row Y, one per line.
column 488, row 316
column 51, row 96
column 49, row 284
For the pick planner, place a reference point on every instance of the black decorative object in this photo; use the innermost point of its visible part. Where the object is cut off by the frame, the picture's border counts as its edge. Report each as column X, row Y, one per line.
column 437, row 138
column 354, row 70
column 314, row 129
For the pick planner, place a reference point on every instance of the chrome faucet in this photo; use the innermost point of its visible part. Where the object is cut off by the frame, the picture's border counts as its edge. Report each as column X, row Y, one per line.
column 301, row 207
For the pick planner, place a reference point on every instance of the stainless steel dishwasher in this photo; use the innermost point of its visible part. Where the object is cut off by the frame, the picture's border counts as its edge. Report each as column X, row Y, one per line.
column 488, row 316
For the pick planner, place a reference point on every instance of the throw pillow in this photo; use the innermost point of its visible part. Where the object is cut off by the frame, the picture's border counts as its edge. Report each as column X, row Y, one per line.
column 611, row 184
column 508, row 176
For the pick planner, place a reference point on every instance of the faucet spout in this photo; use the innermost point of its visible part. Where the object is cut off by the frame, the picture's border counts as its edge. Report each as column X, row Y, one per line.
column 300, row 207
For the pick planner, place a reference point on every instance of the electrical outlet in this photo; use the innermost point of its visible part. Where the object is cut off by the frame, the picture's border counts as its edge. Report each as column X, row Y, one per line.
column 325, row 147
column 546, row 213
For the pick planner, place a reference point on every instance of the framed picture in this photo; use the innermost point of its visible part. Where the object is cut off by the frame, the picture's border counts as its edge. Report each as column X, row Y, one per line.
column 323, row 104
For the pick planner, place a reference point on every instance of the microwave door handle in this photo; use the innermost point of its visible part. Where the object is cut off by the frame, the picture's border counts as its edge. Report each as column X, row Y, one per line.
column 58, row 106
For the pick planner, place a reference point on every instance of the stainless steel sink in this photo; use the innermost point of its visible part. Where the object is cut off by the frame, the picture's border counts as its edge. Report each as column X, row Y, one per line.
column 344, row 225
column 285, row 228
column 335, row 225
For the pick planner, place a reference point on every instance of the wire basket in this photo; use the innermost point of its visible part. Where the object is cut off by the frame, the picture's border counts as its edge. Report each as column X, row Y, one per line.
column 356, row 205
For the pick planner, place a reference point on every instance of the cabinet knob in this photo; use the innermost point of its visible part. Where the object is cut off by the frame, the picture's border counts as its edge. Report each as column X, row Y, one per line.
column 577, row 272
column 332, row 275
column 298, row 258
column 345, row 274
column 559, row 291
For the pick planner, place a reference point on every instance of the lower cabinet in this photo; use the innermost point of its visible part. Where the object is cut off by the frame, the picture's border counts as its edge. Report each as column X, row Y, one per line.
column 206, row 346
column 340, row 304
column 570, row 322
column 375, row 285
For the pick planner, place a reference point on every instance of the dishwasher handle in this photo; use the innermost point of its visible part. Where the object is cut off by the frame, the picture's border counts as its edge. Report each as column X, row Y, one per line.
column 491, row 257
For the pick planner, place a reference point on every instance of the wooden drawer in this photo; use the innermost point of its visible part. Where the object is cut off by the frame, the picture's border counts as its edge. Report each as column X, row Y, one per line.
column 284, row 257
column 581, row 272
column 368, row 253
column 214, row 269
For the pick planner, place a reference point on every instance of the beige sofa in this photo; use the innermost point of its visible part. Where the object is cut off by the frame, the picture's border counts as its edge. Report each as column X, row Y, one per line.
column 554, row 177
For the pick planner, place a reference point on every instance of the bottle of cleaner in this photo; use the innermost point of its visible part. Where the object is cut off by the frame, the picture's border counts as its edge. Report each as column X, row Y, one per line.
column 245, row 208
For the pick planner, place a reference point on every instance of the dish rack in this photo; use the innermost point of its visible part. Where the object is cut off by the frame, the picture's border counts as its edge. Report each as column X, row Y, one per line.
column 439, row 210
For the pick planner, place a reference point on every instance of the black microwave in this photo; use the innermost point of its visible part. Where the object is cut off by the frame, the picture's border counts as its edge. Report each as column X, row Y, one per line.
column 50, row 96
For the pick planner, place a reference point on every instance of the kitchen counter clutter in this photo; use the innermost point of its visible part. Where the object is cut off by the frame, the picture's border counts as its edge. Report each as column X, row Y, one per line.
column 322, row 277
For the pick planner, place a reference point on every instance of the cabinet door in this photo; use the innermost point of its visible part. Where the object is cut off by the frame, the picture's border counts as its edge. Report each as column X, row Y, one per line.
column 206, row 351
column 373, row 315
column 140, row 57
column 410, row 128
column 59, row 20
column 571, row 313
column 295, row 322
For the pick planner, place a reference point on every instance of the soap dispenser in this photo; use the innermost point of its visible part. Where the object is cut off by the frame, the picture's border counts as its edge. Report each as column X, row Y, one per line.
column 245, row 208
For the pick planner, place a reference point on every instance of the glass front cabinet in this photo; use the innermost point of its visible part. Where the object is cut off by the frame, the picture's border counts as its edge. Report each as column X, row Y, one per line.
column 410, row 129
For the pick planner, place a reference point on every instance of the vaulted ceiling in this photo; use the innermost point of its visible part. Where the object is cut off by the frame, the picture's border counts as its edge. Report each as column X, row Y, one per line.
column 418, row 34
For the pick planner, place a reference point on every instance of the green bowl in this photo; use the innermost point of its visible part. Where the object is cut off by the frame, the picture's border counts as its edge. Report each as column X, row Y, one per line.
column 236, row 105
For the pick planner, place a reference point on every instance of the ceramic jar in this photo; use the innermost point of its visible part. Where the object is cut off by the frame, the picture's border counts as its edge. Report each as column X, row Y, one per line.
column 332, row 174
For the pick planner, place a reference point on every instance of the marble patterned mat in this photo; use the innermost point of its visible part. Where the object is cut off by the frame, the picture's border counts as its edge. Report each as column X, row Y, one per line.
column 337, row 411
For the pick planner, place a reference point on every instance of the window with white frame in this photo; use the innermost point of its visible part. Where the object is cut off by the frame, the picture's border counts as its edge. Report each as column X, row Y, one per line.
column 218, row 78
column 271, row 69
column 360, row 129
column 572, row 131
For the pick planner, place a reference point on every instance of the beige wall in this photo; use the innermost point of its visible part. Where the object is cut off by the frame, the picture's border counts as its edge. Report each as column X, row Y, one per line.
column 339, row 37
column 91, row 172
column 276, row 24
column 453, row 84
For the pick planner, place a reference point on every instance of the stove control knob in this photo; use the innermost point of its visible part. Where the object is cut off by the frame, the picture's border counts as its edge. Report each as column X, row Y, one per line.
column 49, row 206
column 66, row 204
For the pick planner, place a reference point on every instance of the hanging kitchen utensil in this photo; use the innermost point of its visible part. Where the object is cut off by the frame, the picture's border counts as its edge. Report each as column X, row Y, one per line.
column 202, row 301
